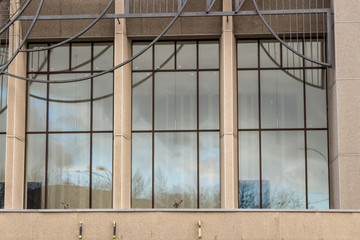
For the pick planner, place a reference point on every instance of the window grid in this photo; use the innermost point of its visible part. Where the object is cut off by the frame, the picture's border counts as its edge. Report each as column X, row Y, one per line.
column 305, row 66
column 47, row 132
column 153, row 131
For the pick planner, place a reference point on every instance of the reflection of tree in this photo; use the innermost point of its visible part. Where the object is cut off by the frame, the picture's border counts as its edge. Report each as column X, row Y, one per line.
column 176, row 196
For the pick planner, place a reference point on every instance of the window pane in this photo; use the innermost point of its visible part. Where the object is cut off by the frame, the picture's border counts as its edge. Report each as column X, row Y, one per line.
column 35, row 171
column 208, row 55
column 144, row 61
column 209, row 100
column 318, row 180
column 283, row 169
column 175, row 170
column 141, row 183
column 36, row 104
column 249, row 170
column 209, row 169
column 102, row 170
column 81, row 57
column 59, row 58
column 68, row 171
column 103, row 103
column 2, row 169
column 103, row 56
column 282, row 102
column 316, row 110
column 247, row 54
column 142, row 101
column 175, row 101
column 186, row 55
column 165, row 55
column 269, row 53
column 37, row 60
column 315, row 49
column 3, row 102
column 248, row 99
column 290, row 59
column 69, row 104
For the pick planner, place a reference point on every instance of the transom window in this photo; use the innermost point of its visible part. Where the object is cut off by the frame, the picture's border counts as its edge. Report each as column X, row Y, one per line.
column 69, row 132
column 175, row 125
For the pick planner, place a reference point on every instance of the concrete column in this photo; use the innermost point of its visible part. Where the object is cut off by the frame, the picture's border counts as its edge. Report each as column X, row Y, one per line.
column 228, row 113
column 15, row 137
column 344, row 103
column 122, row 115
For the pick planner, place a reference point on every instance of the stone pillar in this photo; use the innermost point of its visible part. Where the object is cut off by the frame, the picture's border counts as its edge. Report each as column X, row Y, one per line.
column 122, row 115
column 228, row 112
column 16, row 115
column 344, row 107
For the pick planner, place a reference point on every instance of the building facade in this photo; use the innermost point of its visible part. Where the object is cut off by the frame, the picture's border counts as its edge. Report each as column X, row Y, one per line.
column 219, row 130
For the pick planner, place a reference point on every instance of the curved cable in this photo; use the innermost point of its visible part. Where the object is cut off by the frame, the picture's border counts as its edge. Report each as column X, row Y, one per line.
column 73, row 37
column 282, row 42
column 25, row 37
column 111, row 69
column 16, row 17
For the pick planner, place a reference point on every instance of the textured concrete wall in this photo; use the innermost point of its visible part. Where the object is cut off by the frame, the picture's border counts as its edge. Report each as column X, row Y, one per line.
column 344, row 100
column 180, row 225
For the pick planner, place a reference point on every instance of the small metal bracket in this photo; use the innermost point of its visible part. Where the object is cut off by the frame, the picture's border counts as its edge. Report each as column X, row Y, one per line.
column 114, row 230
column 80, row 230
column 200, row 233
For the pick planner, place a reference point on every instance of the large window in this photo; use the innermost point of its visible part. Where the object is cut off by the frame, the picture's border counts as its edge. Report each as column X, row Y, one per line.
column 3, row 110
column 282, row 120
column 175, row 125
column 69, row 128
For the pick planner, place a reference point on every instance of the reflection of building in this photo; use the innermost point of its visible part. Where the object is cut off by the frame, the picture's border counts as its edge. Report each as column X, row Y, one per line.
column 216, row 118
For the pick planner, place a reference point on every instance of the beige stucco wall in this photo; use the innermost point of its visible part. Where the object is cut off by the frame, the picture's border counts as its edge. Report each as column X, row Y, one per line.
column 158, row 225
column 344, row 105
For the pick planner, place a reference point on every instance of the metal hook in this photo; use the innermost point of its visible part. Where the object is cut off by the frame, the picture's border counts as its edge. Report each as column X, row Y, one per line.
column 80, row 230
column 200, row 233
column 114, row 230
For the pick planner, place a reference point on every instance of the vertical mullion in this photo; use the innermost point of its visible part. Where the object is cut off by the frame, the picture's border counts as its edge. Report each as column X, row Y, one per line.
column 91, row 122
column 259, row 109
column 153, row 127
column 47, row 129
column 305, row 134
column 197, row 124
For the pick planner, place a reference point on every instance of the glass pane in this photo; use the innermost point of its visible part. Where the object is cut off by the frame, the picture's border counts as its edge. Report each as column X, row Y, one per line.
column 141, row 181
column 175, row 170
column 209, row 169
column 247, row 54
column 80, row 57
column 144, row 61
column 318, row 179
column 283, row 170
column 165, row 55
column 102, row 170
column 2, row 169
column 103, row 103
column 290, row 59
column 36, row 104
column 37, row 60
column 35, row 171
column 186, row 55
column 103, row 56
column 249, row 170
column 69, row 104
column 68, row 171
column 3, row 102
column 282, row 102
column 316, row 110
column 315, row 49
column 59, row 58
column 209, row 100
column 269, row 53
column 208, row 55
column 248, row 99
column 142, row 101
column 175, row 101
